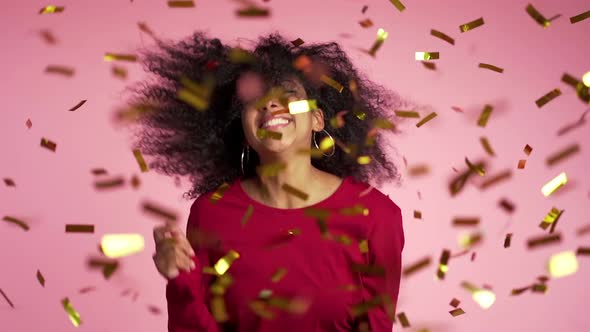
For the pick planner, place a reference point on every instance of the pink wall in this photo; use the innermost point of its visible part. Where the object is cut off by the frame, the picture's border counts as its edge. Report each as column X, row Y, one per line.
column 53, row 189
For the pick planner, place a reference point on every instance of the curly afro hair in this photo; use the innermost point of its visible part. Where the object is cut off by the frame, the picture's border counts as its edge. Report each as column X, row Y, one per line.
column 205, row 145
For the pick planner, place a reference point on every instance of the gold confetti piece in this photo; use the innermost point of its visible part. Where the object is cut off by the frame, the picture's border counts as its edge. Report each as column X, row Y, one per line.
column 491, row 67
column 553, row 185
column 75, row 228
column 54, row 69
column 181, row 3
column 225, row 262
column 29, row 123
column 547, row 97
column 486, row 146
column 521, row 163
column 528, row 149
column 40, row 278
column 455, row 303
column 135, row 182
column 407, row 114
column 551, row 219
column 110, row 183
column 580, row 17
column 543, row 240
column 77, row 106
column 364, row 9
column 48, row 144
column 192, row 99
column 398, row 4
column 51, row 10
column 262, row 133
column 317, row 213
column 539, row 288
column 108, row 266
column 364, row 307
column 563, row 154
column 471, row 25
column 417, row 214
column 121, row 245
column 419, row 170
column 16, row 221
column 253, row 11
column 297, row 42
column 86, row 289
column 443, row 266
column 417, row 266
column 302, row 106
column 442, row 36
column 72, row 313
column 260, row 308
column 238, row 55
column 247, row 215
column 507, row 174
column 427, row 55
column 144, row 28
column 562, row 264
column 329, row 81
column 485, row 115
column 364, row 246
column 462, row 221
column 426, row 119
column 507, row 205
column 403, row 319
column 6, row 298
column 119, row 72
column 294, row 191
column 120, row 57
column 583, row 230
column 139, row 158
column 586, row 79
column 159, row 211
column 9, row 182
column 366, row 23
column 356, row 210
column 429, row 65
column 219, row 310
column 469, row 240
column 218, row 194
column 538, row 17
column 456, row 312
column 363, row 160
column 583, row 251
column 381, row 36
column 369, row 269
column 48, row 37
column 475, row 168
column 508, row 240
column 484, row 297
column 279, row 274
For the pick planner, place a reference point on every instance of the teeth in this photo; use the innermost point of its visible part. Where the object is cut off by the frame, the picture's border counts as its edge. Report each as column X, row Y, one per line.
column 275, row 122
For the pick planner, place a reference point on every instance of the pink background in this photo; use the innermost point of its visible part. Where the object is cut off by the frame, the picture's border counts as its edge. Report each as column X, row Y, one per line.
column 53, row 189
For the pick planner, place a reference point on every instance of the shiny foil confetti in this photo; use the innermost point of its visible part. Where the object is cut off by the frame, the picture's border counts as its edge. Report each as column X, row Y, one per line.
column 443, row 265
column 363, row 160
column 562, row 264
column 196, row 101
column 484, row 297
column 109, row 183
column 543, row 240
column 219, row 192
column 563, row 154
column 51, row 9
column 29, row 124
column 40, row 278
column 364, row 246
column 302, row 106
column 485, row 115
column 579, row 17
column 429, row 65
column 108, row 266
column 253, row 11
column 403, row 319
column 295, row 192
column 78, row 228
column 537, row 16
column 119, row 72
column 48, row 37
column 548, row 97
column 551, row 219
column 491, row 67
column 72, row 313
column 417, row 214
column 119, row 57
column 181, row 4
column 158, row 211
column 507, row 205
column 507, row 240
column 528, row 149
column 329, row 81
column 279, row 274
column 366, row 23
column 63, row 70
column 583, row 251
column 487, row 146
column 457, row 312
column 417, row 266
column 463, row 221
column 521, row 164
column 505, row 175
column 140, row 161
column 143, row 27
column 225, row 262
column 553, row 185
column 475, row 168
column 17, row 222
column 426, row 119
column 247, row 215
column 398, row 4
column 78, row 105
column 9, row 182
column 6, row 298
column 407, row 114
column 454, row 303
column 427, row 55
column 419, row 170
column 262, row 133
column 442, row 36
column 471, row 25
column 381, row 36
column 50, row 145
column 121, row 245
column 297, row 42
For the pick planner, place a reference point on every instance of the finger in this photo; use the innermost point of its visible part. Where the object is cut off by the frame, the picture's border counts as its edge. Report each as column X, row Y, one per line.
column 183, row 243
column 183, row 261
column 172, row 273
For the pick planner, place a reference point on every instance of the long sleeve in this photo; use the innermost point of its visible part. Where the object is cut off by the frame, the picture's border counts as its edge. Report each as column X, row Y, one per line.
column 386, row 242
column 185, row 294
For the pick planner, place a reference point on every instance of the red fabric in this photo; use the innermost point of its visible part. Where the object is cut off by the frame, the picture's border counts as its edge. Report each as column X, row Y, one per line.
column 319, row 269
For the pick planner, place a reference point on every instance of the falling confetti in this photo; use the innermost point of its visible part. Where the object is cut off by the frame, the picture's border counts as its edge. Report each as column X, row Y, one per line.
column 63, row 70
column 295, row 192
column 538, row 17
column 521, row 164
column 417, row 266
column 331, row 82
column 528, row 149
column 121, row 245
column 462, row 221
column 562, row 154
column 580, row 17
column 403, row 319
column 508, row 240
column 398, row 4
column 548, row 97
column 159, row 211
column 487, row 146
column 443, row 266
column 297, row 42
column 417, row 214
column 381, row 36
column 40, row 278
column 77, row 228
column 6, row 298
column 29, row 124
column 119, row 72
column 108, row 266
column 48, row 144
column 253, row 11
column 51, row 10
column 491, row 67
column 471, row 25
column 507, row 205
column 48, row 37
column 562, row 264
column 9, row 182
column 492, row 180
column 454, row 303
column 366, row 23
column 78, row 105
column 181, row 3
column 485, row 115
column 140, row 161
column 109, row 183
column 543, row 240
column 247, row 215
column 442, row 36
column 427, row 55
column 426, row 119
column 456, row 312
column 553, row 185
column 72, row 313
column 218, row 194
column 429, row 65
column 16, row 221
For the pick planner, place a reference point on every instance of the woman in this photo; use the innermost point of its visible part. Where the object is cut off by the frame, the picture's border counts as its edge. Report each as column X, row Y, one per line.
column 280, row 144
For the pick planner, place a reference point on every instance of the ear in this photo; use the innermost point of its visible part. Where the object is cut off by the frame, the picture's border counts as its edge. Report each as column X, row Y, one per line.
column 317, row 118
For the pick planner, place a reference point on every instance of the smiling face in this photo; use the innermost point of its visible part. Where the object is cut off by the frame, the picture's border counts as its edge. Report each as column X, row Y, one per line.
column 272, row 114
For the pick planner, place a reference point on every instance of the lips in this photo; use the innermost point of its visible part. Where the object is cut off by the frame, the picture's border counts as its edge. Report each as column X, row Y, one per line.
column 277, row 115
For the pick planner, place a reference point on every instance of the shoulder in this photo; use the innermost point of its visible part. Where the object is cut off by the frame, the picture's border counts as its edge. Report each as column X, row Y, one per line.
column 373, row 198
column 209, row 202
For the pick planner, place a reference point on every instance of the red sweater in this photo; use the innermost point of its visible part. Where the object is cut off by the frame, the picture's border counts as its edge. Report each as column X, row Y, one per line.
column 349, row 262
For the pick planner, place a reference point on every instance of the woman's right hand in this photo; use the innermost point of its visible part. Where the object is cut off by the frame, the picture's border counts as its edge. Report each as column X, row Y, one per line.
column 173, row 251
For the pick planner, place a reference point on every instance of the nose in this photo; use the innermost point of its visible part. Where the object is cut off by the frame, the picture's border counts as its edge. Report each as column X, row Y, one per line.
column 272, row 104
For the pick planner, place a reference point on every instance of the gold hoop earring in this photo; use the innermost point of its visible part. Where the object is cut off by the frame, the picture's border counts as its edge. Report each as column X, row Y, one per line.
column 333, row 143
column 245, row 151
